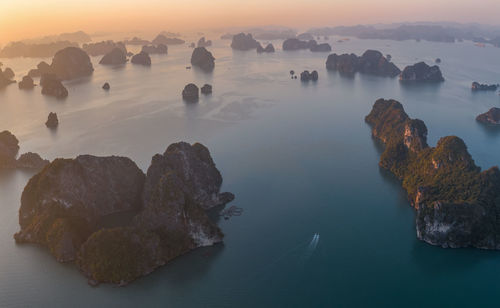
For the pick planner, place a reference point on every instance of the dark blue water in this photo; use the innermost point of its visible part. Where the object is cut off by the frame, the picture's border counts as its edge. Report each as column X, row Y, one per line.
column 300, row 160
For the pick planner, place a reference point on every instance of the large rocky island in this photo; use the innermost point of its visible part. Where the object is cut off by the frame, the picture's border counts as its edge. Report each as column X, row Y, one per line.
column 371, row 62
column 117, row 223
column 456, row 204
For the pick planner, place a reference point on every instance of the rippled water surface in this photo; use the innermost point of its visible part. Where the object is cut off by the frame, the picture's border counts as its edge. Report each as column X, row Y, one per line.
column 300, row 160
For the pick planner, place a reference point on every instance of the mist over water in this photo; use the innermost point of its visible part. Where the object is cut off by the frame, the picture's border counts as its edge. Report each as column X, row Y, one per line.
column 298, row 157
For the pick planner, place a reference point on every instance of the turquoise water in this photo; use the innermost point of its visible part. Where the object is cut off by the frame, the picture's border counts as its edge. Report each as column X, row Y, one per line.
column 300, row 160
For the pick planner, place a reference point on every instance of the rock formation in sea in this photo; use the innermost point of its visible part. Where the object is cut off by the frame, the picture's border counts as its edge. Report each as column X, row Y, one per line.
column 492, row 117
column 269, row 48
column 52, row 86
column 438, row 60
column 160, row 49
column 102, row 48
column 244, row 41
column 8, row 73
column 296, row 44
column 204, row 43
column 4, row 81
column 141, row 58
column 69, row 204
column 371, row 62
column 106, row 86
column 206, row 89
column 309, row 76
column 324, row 47
column 26, row 84
column 52, row 120
column 42, row 68
column 9, row 146
column 344, row 64
column 162, row 39
column 455, row 203
column 136, row 41
column 191, row 93
column 115, row 57
column 203, row 59
column 476, row 86
column 32, row 161
column 421, row 72
column 70, row 63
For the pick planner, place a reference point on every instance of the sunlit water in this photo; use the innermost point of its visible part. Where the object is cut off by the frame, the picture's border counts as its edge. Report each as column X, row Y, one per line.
column 300, row 160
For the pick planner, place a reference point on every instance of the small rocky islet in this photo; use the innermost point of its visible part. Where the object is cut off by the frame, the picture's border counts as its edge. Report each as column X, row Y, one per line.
column 203, row 59
column 66, row 206
column 9, row 148
column 455, row 202
column 491, row 117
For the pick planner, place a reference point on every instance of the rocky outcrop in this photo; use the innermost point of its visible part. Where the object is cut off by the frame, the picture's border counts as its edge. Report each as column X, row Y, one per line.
column 244, row 41
column 492, row 117
column 31, row 161
column 415, row 135
column 476, row 86
column 371, row 62
column 269, row 48
column 195, row 170
column 102, row 48
column 296, row 44
column 8, row 73
column 63, row 204
column 106, row 86
column 437, row 61
column 70, row 63
column 65, row 208
column 152, row 49
column 52, row 120
column 141, row 58
column 115, row 57
column 203, row 59
column 26, row 84
column 191, row 93
column 162, row 39
column 306, row 76
column 422, row 72
column 204, row 43
column 324, row 47
column 206, row 89
column 455, row 203
column 4, row 81
column 52, row 86
column 42, row 68
column 9, row 146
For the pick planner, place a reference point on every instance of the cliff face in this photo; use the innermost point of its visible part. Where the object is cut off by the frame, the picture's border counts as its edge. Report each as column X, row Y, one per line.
column 456, row 203
column 65, row 208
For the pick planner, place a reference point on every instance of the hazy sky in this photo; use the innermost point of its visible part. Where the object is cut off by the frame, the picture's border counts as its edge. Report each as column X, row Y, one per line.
column 20, row 19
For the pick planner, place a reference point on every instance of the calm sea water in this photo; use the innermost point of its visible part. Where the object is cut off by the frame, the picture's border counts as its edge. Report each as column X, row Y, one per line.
column 300, row 160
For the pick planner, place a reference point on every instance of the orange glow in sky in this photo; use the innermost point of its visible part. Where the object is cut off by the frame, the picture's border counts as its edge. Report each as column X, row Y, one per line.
column 20, row 19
